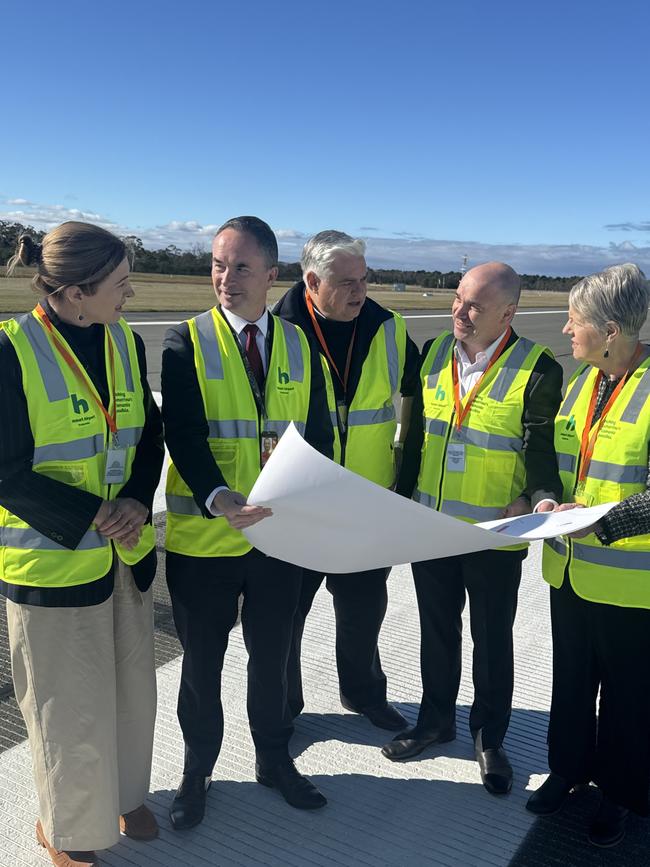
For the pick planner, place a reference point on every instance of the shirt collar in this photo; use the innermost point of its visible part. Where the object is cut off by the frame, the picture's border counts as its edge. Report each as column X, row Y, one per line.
column 238, row 324
column 482, row 357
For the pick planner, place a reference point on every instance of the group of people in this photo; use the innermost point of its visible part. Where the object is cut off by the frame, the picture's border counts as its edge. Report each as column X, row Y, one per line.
column 484, row 433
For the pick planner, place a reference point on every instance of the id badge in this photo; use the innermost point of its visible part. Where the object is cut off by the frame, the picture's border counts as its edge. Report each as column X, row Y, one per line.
column 268, row 441
column 342, row 413
column 456, row 457
column 115, row 466
column 580, row 495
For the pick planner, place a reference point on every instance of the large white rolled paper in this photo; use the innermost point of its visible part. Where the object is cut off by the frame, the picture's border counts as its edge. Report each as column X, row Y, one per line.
column 332, row 520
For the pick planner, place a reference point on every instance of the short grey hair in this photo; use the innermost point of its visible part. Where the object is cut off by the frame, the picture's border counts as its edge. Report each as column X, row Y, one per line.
column 619, row 294
column 320, row 251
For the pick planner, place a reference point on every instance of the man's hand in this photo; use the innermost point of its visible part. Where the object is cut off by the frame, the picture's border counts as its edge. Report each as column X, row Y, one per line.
column 520, row 506
column 237, row 512
column 121, row 519
column 545, row 506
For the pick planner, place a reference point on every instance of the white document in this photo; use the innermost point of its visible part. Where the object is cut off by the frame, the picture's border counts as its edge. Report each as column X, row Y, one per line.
column 332, row 520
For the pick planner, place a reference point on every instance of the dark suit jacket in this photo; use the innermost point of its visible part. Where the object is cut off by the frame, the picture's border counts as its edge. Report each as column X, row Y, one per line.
column 186, row 428
column 57, row 510
column 542, row 398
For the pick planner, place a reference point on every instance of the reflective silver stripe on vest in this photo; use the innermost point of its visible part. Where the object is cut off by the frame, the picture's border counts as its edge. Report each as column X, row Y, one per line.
column 425, row 499
column 361, row 417
column 576, row 388
column 477, row 513
column 483, row 440
column 294, row 350
column 51, row 374
column 566, row 463
column 180, row 505
column 435, row 427
column 612, row 557
column 30, row 539
column 392, row 354
column 229, row 429
column 209, row 345
column 280, row 426
column 334, row 418
column 439, row 361
column 87, row 447
column 558, row 546
column 511, row 367
column 606, row 472
column 122, row 347
column 638, row 399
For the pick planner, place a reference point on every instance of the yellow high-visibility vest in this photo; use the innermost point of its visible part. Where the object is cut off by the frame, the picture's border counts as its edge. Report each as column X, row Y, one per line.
column 371, row 421
column 71, row 437
column 616, row 574
column 234, row 425
column 491, row 437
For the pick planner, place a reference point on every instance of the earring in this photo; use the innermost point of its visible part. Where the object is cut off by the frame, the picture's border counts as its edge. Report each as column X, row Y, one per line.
column 606, row 353
column 80, row 317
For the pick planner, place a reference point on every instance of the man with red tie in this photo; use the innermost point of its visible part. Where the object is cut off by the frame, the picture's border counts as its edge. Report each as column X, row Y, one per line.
column 233, row 379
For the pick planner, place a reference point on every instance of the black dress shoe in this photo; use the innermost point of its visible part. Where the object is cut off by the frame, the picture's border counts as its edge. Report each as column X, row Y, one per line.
column 496, row 770
column 384, row 716
column 296, row 790
column 188, row 807
column 608, row 826
column 550, row 796
column 411, row 743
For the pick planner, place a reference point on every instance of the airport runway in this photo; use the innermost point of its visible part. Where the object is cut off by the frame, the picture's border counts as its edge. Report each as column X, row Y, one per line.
column 543, row 326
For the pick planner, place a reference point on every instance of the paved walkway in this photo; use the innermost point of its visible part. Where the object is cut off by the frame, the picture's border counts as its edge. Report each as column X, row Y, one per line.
column 430, row 811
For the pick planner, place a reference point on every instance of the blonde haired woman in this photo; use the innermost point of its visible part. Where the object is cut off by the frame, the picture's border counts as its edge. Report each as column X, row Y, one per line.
column 80, row 456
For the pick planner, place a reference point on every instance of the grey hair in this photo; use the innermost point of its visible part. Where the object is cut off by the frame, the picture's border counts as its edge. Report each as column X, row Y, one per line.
column 618, row 294
column 320, row 251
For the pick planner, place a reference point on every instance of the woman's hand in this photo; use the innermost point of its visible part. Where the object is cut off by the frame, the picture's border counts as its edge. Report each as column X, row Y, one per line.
column 237, row 512
column 121, row 519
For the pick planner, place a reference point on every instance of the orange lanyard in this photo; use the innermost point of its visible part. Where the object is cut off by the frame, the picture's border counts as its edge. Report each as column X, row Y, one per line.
column 589, row 436
column 111, row 418
column 321, row 339
column 462, row 410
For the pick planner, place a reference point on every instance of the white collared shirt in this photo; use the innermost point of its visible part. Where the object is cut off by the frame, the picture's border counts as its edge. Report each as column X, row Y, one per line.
column 469, row 372
column 238, row 324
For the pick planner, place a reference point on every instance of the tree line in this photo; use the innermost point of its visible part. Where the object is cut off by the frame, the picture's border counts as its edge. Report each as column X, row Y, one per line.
column 197, row 262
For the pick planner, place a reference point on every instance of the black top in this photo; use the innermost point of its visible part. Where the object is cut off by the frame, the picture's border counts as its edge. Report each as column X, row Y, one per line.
column 293, row 308
column 542, row 398
column 57, row 510
column 186, row 428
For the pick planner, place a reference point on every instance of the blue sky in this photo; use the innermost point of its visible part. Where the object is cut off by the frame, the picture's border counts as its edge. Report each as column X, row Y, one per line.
column 504, row 130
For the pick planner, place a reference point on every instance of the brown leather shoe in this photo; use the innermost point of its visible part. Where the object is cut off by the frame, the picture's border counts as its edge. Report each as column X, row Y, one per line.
column 139, row 824
column 65, row 859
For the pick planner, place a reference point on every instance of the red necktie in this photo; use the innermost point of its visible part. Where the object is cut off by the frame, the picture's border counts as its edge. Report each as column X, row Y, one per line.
column 253, row 354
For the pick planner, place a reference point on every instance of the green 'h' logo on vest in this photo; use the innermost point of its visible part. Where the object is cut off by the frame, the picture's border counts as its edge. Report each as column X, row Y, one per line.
column 79, row 405
column 283, row 377
column 440, row 393
column 571, row 424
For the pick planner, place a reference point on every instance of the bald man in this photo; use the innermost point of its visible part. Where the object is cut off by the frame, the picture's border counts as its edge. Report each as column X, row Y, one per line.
column 479, row 447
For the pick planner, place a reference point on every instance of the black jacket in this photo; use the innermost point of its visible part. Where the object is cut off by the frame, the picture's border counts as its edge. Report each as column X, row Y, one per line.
column 186, row 428
column 293, row 308
column 55, row 509
column 542, row 398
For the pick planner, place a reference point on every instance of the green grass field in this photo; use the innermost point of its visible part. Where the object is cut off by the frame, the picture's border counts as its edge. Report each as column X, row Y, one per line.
column 159, row 293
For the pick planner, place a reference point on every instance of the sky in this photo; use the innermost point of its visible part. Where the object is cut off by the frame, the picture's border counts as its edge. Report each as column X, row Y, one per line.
column 492, row 130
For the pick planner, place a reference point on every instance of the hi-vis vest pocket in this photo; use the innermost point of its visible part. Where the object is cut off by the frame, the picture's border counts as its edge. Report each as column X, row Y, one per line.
column 225, row 455
column 74, row 474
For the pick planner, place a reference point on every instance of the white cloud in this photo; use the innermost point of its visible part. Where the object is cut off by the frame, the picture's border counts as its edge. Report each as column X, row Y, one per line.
column 403, row 250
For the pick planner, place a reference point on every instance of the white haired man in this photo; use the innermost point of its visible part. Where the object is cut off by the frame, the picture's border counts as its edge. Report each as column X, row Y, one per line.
column 367, row 359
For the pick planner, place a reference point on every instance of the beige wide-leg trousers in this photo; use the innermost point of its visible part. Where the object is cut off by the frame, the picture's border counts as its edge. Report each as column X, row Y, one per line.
column 85, row 681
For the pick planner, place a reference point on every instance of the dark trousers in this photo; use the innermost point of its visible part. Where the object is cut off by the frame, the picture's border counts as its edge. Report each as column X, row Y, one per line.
column 360, row 601
column 205, row 594
column 491, row 579
column 607, row 647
